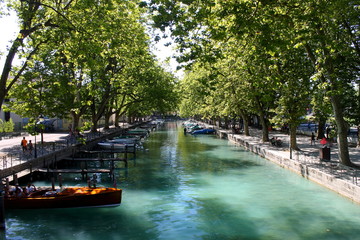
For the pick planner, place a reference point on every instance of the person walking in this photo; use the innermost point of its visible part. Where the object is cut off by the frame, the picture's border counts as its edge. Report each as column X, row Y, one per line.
column 24, row 144
column 30, row 146
column 312, row 138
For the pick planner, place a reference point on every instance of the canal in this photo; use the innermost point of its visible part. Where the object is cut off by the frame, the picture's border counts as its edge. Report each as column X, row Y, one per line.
column 186, row 187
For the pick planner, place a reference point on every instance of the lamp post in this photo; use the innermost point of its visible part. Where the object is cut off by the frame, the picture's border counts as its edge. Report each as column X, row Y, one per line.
column 40, row 119
column 35, row 152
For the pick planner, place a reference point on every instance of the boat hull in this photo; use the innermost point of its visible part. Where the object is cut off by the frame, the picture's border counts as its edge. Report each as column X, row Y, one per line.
column 68, row 198
column 114, row 145
column 204, row 131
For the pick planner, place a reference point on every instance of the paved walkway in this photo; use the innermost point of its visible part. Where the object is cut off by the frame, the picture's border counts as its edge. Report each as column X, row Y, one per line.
column 11, row 153
column 311, row 152
column 12, row 145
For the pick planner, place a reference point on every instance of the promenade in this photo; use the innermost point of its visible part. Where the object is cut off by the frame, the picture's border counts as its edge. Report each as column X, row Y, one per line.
column 308, row 151
column 11, row 153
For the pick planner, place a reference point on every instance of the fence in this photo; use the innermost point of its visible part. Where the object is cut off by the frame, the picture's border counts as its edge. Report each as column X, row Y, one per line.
column 49, row 150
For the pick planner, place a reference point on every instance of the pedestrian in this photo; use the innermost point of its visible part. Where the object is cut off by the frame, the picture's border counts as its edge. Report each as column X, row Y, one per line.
column 70, row 130
column 328, row 129
column 312, row 138
column 24, row 144
column 30, row 146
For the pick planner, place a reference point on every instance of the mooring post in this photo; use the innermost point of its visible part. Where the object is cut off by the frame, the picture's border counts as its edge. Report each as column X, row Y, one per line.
column 53, row 183
column 7, row 184
column 15, row 179
column 60, row 180
column 94, row 180
column 31, row 173
column 126, row 151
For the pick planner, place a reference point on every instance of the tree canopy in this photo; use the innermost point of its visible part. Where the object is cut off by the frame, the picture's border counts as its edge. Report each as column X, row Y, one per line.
column 275, row 59
column 84, row 59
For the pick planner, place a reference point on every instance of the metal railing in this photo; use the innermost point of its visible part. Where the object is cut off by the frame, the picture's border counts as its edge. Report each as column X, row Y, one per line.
column 17, row 156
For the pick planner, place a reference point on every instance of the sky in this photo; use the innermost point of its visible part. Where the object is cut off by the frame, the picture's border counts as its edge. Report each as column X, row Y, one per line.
column 9, row 29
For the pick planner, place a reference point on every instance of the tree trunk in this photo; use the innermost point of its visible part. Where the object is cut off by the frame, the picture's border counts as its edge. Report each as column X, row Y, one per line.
column 342, row 131
column 226, row 123
column 321, row 127
column 245, row 119
column 107, row 122
column 75, row 120
column 7, row 68
column 117, row 118
column 107, row 119
column 219, row 122
column 94, row 125
column 358, row 133
column 264, row 125
column 293, row 143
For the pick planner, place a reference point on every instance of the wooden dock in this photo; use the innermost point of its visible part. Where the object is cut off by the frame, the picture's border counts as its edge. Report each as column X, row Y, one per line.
column 126, row 151
column 75, row 170
column 95, row 159
column 84, row 171
column 73, row 152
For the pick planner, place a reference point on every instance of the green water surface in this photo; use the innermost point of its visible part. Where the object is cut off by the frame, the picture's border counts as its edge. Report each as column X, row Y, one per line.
column 187, row 187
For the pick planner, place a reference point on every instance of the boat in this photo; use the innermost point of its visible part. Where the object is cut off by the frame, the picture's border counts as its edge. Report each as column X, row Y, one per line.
column 123, row 140
column 69, row 197
column 114, row 145
column 138, row 132
column 204, row 131
column 128, row 136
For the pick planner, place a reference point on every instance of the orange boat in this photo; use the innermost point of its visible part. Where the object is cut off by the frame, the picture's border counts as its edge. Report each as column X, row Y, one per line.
column 68, row 197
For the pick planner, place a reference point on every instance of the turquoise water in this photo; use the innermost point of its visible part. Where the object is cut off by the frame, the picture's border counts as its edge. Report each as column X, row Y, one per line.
column 186, row 187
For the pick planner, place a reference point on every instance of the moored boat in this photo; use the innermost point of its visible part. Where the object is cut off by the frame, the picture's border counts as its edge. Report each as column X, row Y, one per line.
column 204, row 131
column 138, row 132
column 124, row 140
column 115, row 145
column 69, row 197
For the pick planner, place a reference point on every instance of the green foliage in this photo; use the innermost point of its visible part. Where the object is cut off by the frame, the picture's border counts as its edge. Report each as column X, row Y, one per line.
column 7, row 126
column 31, row 128
column 102, row 65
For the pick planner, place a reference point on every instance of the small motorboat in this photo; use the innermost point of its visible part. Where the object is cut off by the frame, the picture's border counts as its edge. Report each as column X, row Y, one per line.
column 115, row 145
column 204, row 131
column 69, row 197
column 138, row 132
column 124, row 140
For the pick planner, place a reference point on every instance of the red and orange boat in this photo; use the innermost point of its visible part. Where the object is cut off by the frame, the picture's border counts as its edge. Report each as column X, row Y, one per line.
column 69, row 197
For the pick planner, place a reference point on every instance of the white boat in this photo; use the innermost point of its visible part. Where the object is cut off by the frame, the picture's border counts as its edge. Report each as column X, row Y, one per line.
column 114, row 145
column 124, row 140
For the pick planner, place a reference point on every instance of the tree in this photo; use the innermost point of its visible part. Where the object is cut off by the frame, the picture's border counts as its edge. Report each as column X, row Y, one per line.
column 268, row 31
column 36, row 18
